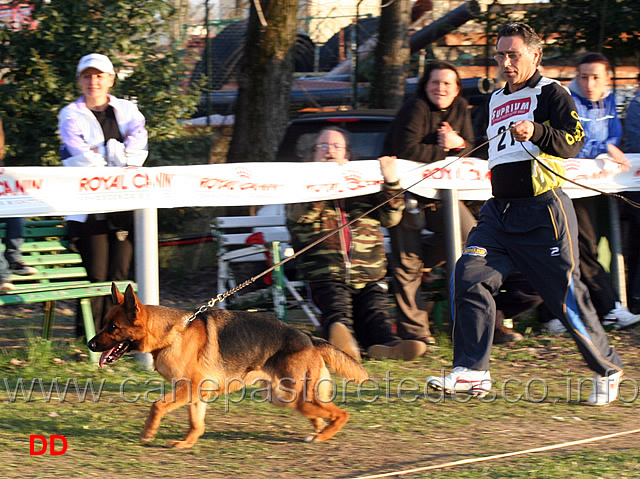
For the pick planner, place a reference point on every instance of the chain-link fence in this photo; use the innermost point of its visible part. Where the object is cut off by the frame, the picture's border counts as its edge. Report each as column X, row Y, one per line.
column 324, row 50
column 454, row 31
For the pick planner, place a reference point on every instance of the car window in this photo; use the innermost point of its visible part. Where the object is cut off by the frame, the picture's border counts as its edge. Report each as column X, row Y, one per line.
column 365, row 145
column 367, row 138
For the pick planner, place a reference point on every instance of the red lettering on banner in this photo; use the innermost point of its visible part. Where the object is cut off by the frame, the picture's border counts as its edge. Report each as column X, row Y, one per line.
column 325, row 187
column 19, row 187
column 98, row 183
column 140, row 181
column 230, row 185
column 208, row 183
column 161, row 180
column 596, row 175
column 509, row 109
column 357, row 184
column 437, row 174
column 119, row 182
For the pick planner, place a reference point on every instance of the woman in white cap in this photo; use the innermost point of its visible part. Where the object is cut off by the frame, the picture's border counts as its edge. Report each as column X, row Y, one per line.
column 99, row 129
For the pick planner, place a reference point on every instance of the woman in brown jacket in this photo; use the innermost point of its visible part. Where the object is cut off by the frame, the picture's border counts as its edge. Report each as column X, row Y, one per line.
column 432, row 125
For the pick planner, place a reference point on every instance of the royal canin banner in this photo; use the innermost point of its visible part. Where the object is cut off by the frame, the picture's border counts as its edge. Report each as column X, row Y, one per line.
column 43, row 191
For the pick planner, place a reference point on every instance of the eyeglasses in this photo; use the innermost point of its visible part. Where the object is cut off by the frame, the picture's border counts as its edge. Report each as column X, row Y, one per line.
column 512, row 56
column 328, row 146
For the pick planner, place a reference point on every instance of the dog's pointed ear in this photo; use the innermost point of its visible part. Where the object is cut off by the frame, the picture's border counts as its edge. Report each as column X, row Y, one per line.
column 116, row 295
column 131, row 301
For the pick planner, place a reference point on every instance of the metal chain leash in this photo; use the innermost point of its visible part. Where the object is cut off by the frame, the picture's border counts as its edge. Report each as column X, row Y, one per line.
column 221, row 297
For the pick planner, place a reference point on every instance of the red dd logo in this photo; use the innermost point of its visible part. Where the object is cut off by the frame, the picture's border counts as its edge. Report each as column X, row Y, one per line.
column 43, row 444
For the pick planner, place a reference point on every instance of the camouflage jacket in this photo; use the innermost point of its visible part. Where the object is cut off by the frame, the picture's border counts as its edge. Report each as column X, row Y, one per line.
column 356, row 254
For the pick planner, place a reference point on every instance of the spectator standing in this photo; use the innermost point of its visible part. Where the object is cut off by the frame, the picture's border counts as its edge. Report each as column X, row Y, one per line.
column 99, row 129
column 596, row 108
column 433, row 124
column 632, row 124
column 345, row 272
column 632, row 145
column 12, row 260
column 529, row 224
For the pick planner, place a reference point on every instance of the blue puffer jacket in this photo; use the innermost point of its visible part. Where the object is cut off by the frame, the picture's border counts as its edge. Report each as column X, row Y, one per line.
column 599, row 119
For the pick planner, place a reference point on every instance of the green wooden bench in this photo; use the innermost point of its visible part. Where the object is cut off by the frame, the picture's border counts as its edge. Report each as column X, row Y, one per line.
column 60, row 276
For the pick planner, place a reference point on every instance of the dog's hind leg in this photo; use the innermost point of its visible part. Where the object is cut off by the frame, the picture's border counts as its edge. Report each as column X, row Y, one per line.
column 315, row 411
column 316, row 404
column 196, row 418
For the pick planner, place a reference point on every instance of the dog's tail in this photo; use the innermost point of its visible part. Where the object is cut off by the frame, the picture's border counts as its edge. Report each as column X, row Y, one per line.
column 340, row 362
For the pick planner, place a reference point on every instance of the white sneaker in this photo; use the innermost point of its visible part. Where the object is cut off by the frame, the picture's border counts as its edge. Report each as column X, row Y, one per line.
column 605, row 389
column 620, row 317
column 7, row 286
column 462, row 380
column 555, row 327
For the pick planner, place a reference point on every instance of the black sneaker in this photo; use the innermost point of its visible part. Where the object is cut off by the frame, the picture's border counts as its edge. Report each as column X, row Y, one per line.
column 22, row 269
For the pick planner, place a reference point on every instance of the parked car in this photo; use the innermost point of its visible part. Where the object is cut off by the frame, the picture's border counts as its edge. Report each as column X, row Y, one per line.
column 367, row 128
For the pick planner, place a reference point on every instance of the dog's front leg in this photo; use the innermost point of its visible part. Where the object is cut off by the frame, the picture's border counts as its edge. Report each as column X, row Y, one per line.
column 196, row 418
column 170, row 401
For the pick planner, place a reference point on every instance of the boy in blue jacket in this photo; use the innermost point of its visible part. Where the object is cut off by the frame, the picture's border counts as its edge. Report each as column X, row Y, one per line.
column 596, row 107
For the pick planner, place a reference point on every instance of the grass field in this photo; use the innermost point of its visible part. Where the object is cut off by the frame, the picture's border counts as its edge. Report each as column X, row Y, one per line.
column 394, row 426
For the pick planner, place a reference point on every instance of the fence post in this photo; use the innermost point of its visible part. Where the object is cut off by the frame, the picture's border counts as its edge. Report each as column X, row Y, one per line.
column 146, row 258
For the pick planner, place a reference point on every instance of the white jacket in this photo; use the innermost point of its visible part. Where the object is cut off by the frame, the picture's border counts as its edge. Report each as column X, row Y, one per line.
column 81, row 134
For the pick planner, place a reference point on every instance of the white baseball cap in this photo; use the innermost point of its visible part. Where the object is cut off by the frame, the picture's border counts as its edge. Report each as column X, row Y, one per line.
column 97, row 61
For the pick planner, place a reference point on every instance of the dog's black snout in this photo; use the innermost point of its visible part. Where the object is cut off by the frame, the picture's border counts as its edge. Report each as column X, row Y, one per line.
column 92, row 344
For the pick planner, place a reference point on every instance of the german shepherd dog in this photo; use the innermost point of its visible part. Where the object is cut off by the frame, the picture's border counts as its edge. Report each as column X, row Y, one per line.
column 224, row 350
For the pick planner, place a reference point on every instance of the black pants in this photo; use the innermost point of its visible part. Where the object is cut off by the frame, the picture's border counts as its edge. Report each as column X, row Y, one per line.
column 410, row 253
column 596, row 279
column 364, row 311
column 516, row 297
column 536, row 236
column 106, row 256
column 631, row 250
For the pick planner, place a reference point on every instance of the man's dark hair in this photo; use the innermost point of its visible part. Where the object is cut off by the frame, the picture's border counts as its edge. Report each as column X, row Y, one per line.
column 433, row 66
column 528, row 34
column 593, row 57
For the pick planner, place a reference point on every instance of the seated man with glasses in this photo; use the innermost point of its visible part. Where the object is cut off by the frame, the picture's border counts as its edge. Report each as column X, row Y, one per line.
column 346, row 271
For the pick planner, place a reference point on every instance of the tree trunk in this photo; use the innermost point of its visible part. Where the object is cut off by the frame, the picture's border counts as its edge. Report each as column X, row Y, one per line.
column 392, row 56
column 264, row 81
